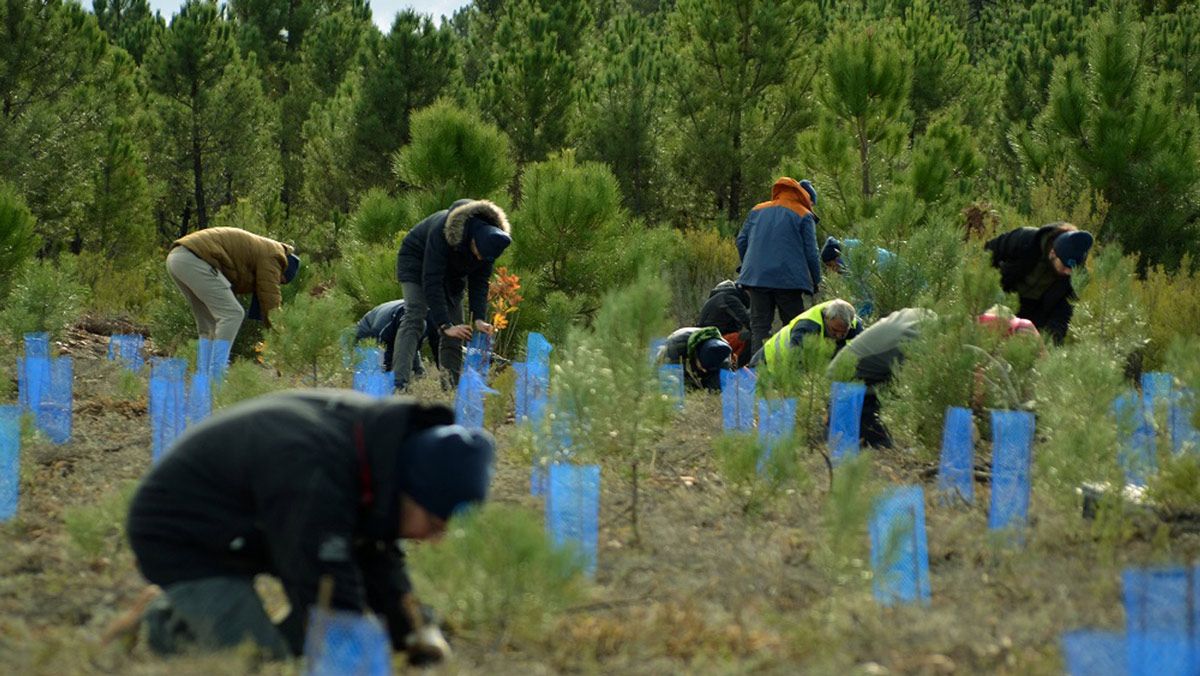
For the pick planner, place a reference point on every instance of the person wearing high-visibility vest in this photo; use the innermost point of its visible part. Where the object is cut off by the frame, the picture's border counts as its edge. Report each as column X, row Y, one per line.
column 834, row 320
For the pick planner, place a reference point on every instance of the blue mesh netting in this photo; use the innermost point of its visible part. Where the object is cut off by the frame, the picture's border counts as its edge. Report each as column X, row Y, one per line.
column 549, row 449
column 573, row 509
column 341, row 643
column 737, row 399
column 1184, row 435
column 378, row 384
column 218, row 362
column 1136, row 433
column 10, row 460
column 1094, row 653
column 479, row 353
column 33, row 371
column 368, row 359
column 55, row 410
column 776, row 421
column 532, row 387
column 1012, row 438
column 956, row 473
column 656, row 346
column 468, row 400
column 670, row 379
column 199, row 399
column 899, row 551
column 127, row 348
column 845, row 414
column 1156, row 391
column 1162, row 620
column 538, row 349
column 37, row 345
column 168, row 402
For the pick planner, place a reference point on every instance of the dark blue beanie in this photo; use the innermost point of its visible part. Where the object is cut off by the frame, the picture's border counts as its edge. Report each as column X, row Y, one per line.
column 812, row 192
column 446, row 468
column 831, row 251
column 293, row 266
column 1072, row 247
column 490, row 240
column 712, row 353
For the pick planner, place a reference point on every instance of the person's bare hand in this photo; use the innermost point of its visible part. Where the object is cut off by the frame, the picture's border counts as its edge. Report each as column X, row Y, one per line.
column 483, row 326
column 460, row 331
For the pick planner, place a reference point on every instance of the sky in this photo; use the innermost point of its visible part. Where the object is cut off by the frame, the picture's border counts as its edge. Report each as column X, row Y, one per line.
column 383, row 11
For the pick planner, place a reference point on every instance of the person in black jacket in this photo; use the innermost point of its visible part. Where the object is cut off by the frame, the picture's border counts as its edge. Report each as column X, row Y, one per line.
column 1036, row 264
column 304, row 485
column 381, row 323
column 702, row 353
column 446, row 253
column 728, row 309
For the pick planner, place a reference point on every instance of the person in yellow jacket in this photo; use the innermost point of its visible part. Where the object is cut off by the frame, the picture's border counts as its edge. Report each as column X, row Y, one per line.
column 209, row 266
column 834, row 320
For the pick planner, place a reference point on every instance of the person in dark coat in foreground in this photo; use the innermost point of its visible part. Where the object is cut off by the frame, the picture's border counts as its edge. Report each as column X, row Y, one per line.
column 447, row 253
column 879, row 350
column 381, row 323
column 702, row 353
column 728, row 309
column 302, row 485
column 1036, row 264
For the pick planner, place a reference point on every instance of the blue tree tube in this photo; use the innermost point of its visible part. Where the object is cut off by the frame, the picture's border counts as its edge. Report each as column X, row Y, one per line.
column 1095, row 653
column 219, row 361
column 845, row 415
column 343, row 642
column 956, row 472
column 1137, row 439
column 538, row 349
column 670, row 380
column 776, row 422
column 573, row 510
column 479, row 354
column 1161, row 619
column 1012, row 440
column 56, row 409
column 199, row 399
column 899, row 550
column 468, row 400
column 10, row 460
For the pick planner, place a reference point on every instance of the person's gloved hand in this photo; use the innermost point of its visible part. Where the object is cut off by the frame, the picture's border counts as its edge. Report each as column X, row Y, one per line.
column 427, row 646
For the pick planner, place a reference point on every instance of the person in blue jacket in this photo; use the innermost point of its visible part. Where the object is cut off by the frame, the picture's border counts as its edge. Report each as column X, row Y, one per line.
column 381, row 323
column 447, row 253
column 781, row 264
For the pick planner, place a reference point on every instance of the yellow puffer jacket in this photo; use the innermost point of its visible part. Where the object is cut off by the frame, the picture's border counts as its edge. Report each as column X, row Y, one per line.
column 252, row 263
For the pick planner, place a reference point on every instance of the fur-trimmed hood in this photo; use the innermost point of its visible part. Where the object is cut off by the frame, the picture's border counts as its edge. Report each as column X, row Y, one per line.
column 462, row 213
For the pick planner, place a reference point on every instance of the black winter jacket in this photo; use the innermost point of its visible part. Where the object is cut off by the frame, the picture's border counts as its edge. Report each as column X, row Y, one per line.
column 675, row 351
column 727, row 308
column 436, row 254
column 298, row 485
column 1017, row 254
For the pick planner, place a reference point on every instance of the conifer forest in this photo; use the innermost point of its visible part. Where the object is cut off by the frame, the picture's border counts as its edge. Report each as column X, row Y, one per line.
column 1006, row 190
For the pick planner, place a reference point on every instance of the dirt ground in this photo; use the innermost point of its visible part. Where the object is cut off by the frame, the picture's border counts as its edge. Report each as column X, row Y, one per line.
column 710, row 588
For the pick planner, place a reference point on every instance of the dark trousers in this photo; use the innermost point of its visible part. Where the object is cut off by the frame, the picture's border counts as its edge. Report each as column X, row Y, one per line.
column 412, row 329
column 873, row 431
column 763, row 304
column 218, row 613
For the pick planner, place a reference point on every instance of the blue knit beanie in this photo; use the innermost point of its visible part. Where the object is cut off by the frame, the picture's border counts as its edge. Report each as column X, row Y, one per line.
column 812, row 192
column 1072, row 247
column 490, row 240
column 446, row 468
column 831, row 251
column 712, row 353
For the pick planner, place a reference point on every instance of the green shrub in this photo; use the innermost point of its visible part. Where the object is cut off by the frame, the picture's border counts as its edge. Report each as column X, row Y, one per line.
column 307, row 335
column 379, row 217
column 99, row 529
column 244, row 380
column 496, row 576
column 705, row 258
column 45, row 297
column 367, row 276
column 1170, row 304
column 1107, row 315
column 453, row 154
column 738, row 457
column 129, row 289
column 171, row 322
column 17, row 238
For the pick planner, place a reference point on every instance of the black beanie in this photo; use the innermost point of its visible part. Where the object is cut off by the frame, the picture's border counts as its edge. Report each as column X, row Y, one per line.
column 712, row 353
column 490, row 240
column 447, row 467
column 1072, row 247
column 831, row 251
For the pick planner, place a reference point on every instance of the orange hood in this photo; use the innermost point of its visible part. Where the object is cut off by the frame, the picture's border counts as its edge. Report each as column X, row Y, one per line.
column 787, row 192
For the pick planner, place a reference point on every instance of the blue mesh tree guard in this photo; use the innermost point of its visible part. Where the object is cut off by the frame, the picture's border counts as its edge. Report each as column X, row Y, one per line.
column 127, row 349
column 37, row 345
column 899, row 551
column 538, row 349
column 1137, row 438
column 532, row 391
column 737, row 399
column 550, row 448
column 956, row 472
column 199, row 399
column 479, row 354
column 378, row 384
column 368, row 359
column 1094, row 653
column 56, row 408
column 219, row 361
column 468, row 401
column 204, row 355
column 1157, row 388
column 33, row 371
column 845, row 414
column 168, row 403
column 670, row 380
column 341, row 643
column 1012, row 439
column 1162, row 620
column 656, row 346
column 10, row 460
column 573, row 510
column 1184, row 435
column 776, row 422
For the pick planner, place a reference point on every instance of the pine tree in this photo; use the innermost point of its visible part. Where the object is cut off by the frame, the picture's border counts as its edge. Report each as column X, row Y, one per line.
column 130, row 24
column 739, row 78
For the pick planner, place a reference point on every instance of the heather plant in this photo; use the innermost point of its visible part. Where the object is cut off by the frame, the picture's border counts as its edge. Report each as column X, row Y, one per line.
column 45, row 296
column 98, row 529
column 306, row 337
column 498, row 577
column 605, row 386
